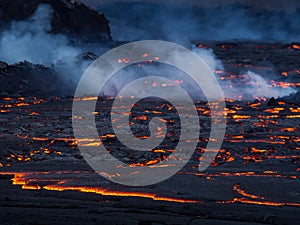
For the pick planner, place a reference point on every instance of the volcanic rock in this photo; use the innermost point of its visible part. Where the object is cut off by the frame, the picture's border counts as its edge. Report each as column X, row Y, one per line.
column 272, row 102
column 70, row 17
column 3, row 65
column 292, row 98
column 27, row 79
column 87, row 56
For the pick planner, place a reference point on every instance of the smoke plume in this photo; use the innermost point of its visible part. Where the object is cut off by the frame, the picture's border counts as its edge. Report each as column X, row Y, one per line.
column 30, row 40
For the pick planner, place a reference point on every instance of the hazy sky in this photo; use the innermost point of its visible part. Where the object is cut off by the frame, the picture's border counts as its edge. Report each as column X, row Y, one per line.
column 269, row 4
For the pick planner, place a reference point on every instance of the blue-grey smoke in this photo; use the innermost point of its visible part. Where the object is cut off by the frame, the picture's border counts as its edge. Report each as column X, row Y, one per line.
column 188, row 23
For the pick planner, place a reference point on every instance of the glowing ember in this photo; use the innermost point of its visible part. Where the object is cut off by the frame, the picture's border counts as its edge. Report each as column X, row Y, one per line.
column 294, row 46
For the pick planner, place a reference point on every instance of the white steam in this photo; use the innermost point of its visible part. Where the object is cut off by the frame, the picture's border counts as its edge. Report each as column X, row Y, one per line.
column 209, row 58
column 252, row 86
column 257, row 87
column 30, row 40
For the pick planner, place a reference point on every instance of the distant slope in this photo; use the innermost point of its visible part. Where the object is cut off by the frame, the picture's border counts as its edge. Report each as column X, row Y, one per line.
column 183, row 22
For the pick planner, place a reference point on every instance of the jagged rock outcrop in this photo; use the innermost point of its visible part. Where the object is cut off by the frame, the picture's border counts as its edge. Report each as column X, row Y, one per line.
column 70, row 17
column 292, row 98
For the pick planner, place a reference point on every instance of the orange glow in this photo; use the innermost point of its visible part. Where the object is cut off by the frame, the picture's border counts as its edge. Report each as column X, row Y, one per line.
column 20, row 179
column 284, row 84
column 255, row 150
column 230, row 159
column 202, row 46
column 238, row 137
column 22, row 104
column 31, row 187
column 237, row 188
column 123, row 61
column 142, row 117
column 253, row 158
column 249, row 154
column 108, row 136
column 293, row 116
column 206, row 112
column 267, row 117
column 230, row 111
column 260, row 141
column 241, row 117
column 89, row 99
column 275, row 110
column 156, row 112
column 4, row 111
column 106, row 192
column 151, row 162
column 34, row 114
column 281, row 103
column 40, row 139
column 255, row 105
column 154, row 84
column 145, row 55
column 288, row 129
column 160, row 151
column 94, row 144
column 245, row 174
column 259, row 124
column 294, row 46
column 297, row 110
column 77, row 117
column 254, row 202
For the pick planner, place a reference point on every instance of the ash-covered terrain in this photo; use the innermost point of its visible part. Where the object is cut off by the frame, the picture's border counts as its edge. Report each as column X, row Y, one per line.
column 45, row 47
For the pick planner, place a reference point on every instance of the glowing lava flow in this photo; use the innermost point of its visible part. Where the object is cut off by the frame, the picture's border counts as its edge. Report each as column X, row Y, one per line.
column 238, row 189
column 21, row 179
column 246, row 174
column 106, row 192
column 28, row 183
column 259, row 115
column 253, row 199
column 255, row 202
